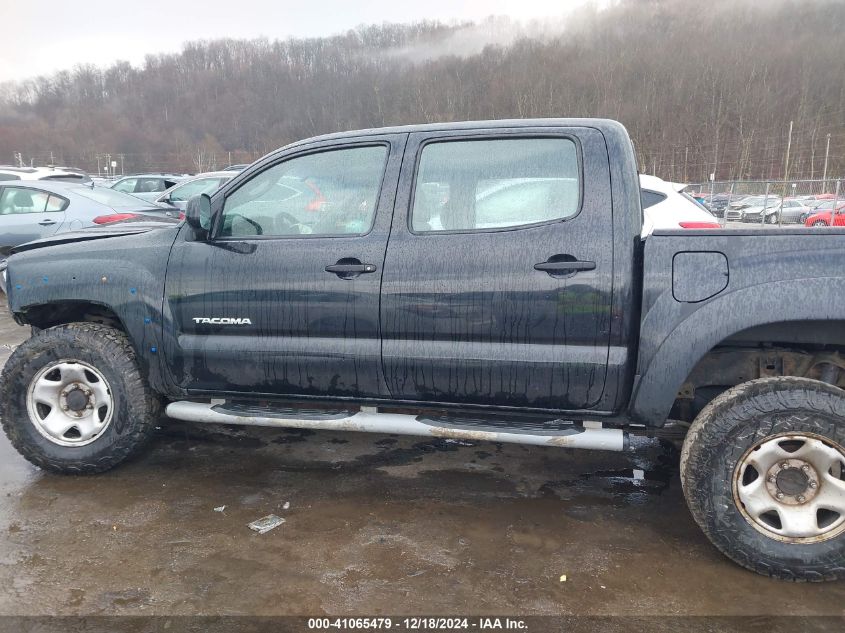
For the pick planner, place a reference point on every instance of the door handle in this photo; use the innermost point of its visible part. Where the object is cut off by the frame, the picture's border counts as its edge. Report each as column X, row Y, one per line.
column 564, row 267
column 348, row 270
column 47, row 222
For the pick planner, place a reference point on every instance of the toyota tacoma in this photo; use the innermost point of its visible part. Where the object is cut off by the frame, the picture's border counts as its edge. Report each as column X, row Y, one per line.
column 482, row 280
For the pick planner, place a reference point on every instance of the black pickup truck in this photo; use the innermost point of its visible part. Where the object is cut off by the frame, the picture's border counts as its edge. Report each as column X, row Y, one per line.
column 479, row 280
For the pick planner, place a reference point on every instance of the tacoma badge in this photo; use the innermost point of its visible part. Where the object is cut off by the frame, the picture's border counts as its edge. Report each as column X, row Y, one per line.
column 223, row 320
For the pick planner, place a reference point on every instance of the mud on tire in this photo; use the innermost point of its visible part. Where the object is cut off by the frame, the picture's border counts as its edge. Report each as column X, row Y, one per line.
column 725, row 434
column 134, row 408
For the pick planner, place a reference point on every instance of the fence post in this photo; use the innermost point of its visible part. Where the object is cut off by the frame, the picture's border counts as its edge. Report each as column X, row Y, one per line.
column 765, row 204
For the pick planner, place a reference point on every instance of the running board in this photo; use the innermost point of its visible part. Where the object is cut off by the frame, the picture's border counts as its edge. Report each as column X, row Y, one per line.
column 368, row 419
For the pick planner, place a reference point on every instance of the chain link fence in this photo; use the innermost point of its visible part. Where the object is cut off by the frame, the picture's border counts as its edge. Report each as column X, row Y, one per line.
column 739, row 203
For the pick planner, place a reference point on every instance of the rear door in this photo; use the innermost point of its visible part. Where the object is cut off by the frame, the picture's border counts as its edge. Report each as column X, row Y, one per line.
column 28, row 214
column 283, row 298
column 498, row 275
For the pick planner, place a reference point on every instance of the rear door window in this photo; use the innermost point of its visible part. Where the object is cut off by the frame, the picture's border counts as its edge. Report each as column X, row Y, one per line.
column 150, row 185
column 476, row 185
column 16, row 200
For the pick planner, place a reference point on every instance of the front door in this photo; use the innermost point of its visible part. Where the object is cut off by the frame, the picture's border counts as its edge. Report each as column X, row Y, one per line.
column 498, row 276
column 283, row 297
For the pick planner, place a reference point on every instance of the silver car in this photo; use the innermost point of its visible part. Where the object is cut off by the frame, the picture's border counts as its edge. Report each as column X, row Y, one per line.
column 778, row 212
column 737, row 209
column 30, row 210
column 146, row 186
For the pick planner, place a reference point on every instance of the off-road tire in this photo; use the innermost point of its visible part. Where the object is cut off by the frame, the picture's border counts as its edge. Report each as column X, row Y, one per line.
column 136, row 407
column 722, row 433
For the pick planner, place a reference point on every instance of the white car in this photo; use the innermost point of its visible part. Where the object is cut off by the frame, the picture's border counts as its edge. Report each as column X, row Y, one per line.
column 64, row 174
column 665, row 206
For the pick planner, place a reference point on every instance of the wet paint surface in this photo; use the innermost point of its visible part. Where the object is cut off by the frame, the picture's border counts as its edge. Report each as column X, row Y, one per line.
column 376, row 524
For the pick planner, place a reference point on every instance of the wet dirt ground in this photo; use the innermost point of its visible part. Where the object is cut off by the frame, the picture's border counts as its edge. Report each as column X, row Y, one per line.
column 376, row 525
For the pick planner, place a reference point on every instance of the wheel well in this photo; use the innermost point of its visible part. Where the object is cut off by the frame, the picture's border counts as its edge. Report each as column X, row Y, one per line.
column 809, row 349
column 50, row 314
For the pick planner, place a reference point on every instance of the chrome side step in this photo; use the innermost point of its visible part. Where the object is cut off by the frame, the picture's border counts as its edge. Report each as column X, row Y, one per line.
column 368, row 419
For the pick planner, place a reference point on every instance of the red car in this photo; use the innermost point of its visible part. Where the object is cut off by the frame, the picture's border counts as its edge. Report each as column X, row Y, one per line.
column 822, row 215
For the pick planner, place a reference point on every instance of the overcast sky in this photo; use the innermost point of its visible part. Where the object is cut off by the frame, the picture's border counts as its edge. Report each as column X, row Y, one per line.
column 42, row 36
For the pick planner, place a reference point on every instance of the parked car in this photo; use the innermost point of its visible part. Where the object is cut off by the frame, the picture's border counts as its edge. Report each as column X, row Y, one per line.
column 208, row 182
column 736, row 210
column 558, row 327
column 32, row 210
column 667, row 206
column 821, row 215
column 236, row 167
column 63, row 174
column 783, row 212
column 146, row 186
column 717, row 203
column 816, row 202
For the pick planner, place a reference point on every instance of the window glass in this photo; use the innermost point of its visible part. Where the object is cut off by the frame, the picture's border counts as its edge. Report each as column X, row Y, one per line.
column 55, row 203
column 471, row 185
column 330, row 193
column 150, row 185
column 9, row 177
column 126, row 186
column 67, row 178
column 651, row 198
column 14, row 200
column 192, row 188
column 695, row 202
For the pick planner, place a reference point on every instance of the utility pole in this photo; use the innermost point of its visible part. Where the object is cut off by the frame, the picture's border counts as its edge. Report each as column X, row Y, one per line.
column 686, row 156
column 826, row 154
column 788, row 147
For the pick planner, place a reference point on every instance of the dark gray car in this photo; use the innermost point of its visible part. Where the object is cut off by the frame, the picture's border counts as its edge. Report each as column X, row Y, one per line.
column 30, row 210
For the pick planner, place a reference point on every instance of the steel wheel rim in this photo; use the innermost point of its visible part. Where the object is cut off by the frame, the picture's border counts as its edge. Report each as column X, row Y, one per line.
column 70, row 403
column 790, row 487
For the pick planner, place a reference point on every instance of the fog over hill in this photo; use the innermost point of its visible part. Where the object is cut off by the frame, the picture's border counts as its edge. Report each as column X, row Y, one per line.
column 697, row 85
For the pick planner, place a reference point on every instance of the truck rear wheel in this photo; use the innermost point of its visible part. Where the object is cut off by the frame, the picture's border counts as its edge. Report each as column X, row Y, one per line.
column 763, row 472
column 73, row 400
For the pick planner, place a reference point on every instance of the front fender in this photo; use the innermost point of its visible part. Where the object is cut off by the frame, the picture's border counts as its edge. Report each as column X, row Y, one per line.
column 124, row 274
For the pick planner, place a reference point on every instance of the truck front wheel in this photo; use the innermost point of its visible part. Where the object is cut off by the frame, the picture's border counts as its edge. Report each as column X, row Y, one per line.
column 73, row 400
column 763, row 472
